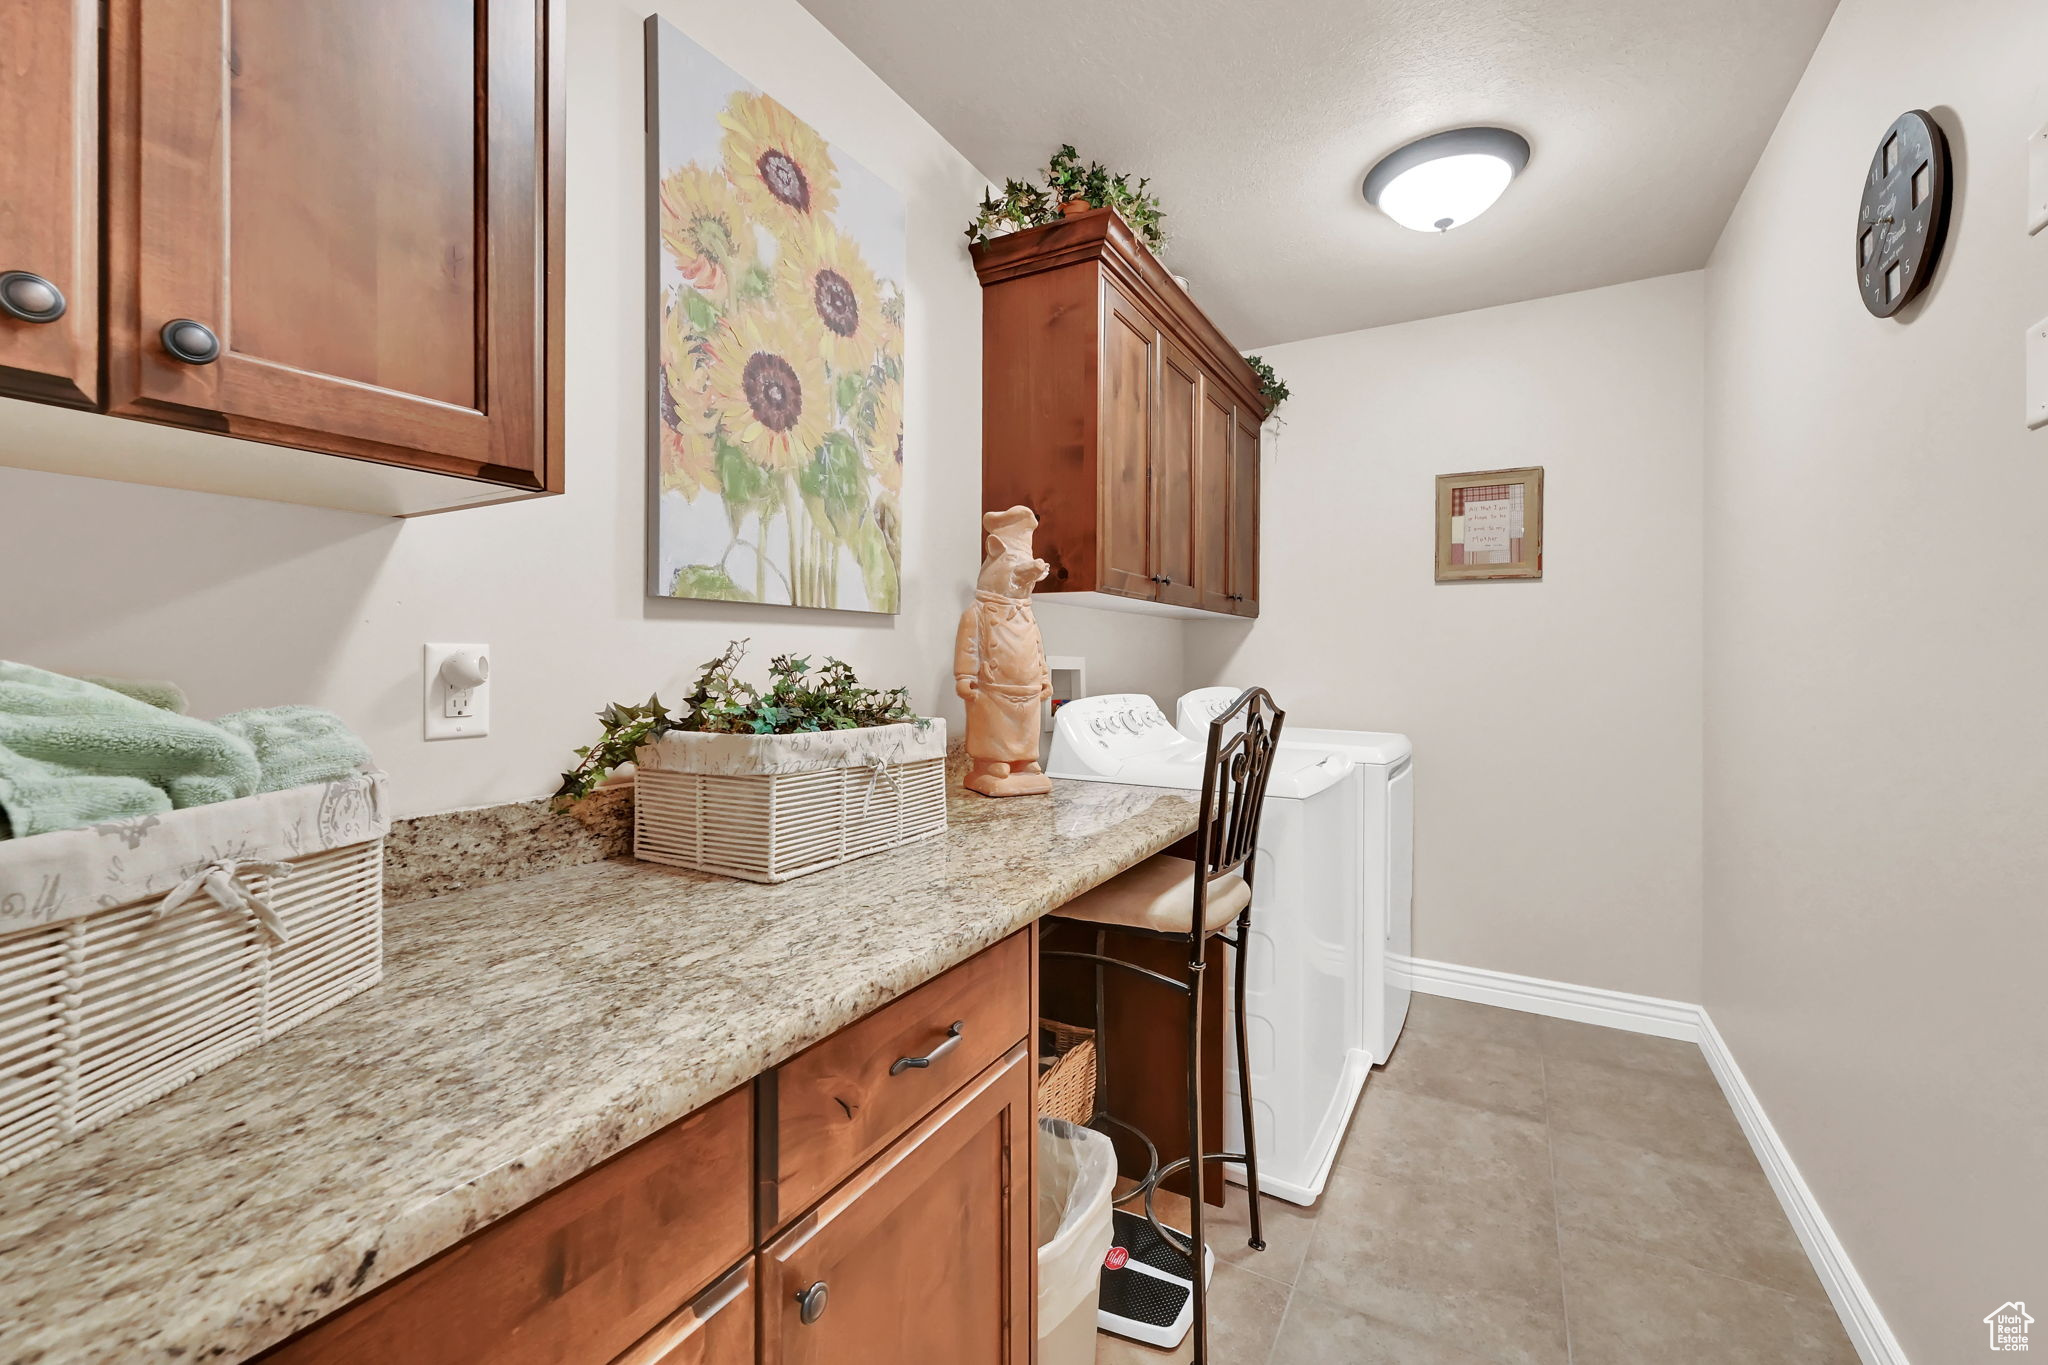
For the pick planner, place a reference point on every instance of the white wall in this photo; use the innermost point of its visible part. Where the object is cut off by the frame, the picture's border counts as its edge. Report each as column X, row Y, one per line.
column 248, row 603
column 1556, row 723
column 1877, row 796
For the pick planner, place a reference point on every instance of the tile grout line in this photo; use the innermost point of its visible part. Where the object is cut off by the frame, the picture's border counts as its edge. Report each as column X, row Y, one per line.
column 1315, row 1227
column 1556, row 1217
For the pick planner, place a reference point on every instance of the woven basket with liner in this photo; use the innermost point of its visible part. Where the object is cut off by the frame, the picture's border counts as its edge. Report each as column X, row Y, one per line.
column 1066, row 1072
column 137, row 954
column 770, row 807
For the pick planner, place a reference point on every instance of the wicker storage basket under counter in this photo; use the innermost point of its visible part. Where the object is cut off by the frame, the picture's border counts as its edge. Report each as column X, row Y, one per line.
column 1066, row 1072
column 770, row 807
column 138, row 954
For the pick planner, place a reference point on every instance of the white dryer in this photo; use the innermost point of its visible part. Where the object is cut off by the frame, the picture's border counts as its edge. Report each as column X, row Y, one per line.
column 1300, row 1001
column 1383, row 815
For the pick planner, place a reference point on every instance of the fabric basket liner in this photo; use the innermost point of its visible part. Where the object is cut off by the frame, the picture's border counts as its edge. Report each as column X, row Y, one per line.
column 46, row 878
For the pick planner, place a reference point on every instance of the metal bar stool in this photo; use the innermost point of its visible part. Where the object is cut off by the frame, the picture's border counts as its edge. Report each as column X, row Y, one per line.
column 1190, row 901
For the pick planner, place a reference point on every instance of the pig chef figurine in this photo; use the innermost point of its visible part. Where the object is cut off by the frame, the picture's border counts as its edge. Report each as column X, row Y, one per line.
column 999, row 662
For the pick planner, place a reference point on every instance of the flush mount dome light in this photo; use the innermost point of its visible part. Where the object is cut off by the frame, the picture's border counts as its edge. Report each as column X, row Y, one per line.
column 1448, row 179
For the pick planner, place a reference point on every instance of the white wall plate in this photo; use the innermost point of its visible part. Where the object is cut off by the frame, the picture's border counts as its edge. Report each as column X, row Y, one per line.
column 450, row 712
column 2037, row 181
column 2037, row 374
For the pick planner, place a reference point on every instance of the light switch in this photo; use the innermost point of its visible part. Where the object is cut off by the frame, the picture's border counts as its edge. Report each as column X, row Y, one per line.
column 2037, row 181
column 2037, row 374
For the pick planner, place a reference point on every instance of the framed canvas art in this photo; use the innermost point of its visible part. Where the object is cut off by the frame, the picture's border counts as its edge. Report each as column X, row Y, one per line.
column 1489, row 525
column 776, row 268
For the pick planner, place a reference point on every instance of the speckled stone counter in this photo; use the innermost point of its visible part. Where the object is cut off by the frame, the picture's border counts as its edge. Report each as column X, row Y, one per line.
column 525, row 1031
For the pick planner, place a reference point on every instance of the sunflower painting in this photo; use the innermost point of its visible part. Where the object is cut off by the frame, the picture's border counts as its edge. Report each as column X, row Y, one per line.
column 778, row 339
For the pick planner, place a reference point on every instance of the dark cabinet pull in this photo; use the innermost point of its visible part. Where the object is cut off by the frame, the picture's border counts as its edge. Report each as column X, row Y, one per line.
column 191, row 342
column 28, row 297
column 1161, row 578
column 810, row 1303
column 903, row 1064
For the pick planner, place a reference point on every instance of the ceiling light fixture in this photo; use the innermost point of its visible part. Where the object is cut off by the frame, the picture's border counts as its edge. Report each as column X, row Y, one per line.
column 1447, row 179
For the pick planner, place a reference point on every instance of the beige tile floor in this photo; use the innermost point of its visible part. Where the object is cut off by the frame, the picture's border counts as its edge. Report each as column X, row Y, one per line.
column 1518, row 1190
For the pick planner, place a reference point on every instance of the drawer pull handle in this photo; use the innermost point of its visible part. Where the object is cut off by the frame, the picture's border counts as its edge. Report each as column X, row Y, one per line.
column 903, row 1064
column 810, row 1303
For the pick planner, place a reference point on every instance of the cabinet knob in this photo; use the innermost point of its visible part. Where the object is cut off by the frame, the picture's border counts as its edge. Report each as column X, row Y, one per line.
column 30, row 298
column 810, row 1303
column 189, row 341
column 1161, row 578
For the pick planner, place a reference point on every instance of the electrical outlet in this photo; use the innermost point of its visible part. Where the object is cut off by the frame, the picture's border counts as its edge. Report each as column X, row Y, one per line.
column 456, row 691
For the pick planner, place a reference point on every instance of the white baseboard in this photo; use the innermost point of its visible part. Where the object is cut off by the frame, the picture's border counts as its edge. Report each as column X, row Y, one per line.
column 1861, row 1318
column 1587, row 1004
column 1865, row 1324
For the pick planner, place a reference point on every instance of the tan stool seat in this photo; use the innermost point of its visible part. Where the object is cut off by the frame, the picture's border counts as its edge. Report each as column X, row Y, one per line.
column 1158, row 894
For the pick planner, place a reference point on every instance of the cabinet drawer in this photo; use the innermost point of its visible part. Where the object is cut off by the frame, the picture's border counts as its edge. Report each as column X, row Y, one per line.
column 717, row 1328
column 926, row 1255
column 829, row 1109
column 578, row 1275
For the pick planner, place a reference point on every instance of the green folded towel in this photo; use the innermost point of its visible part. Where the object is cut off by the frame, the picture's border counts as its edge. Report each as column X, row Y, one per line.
column 74, row 753
column 297, row 745
column 164, row 696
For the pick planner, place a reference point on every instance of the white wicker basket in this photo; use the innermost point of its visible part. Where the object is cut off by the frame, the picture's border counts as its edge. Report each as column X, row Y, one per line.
column 105, row 1008
column 770, row 807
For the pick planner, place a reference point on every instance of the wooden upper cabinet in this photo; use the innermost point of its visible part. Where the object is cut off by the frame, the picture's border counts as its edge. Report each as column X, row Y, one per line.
column 1175, row 469
column 1214, row 457
column 926, row 1254
column 1244, row 516
column 1112, row 407
column 1130, row 347
column 329, row 227
column 49, row 200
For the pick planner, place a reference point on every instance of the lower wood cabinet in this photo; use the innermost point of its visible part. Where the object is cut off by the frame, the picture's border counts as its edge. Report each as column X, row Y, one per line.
column 905, row 1149
column 927, row 1254
column 717, row 1328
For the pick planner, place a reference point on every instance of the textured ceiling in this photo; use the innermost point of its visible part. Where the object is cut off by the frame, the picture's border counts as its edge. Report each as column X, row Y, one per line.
column 1257, row 122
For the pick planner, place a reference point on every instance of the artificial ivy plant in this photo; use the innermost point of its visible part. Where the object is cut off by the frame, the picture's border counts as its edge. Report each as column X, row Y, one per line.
column 799, row 700
column 1066, row 180
column 1271, row 386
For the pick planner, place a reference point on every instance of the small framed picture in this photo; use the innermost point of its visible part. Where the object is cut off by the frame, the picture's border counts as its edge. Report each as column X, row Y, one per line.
column 1489, row 525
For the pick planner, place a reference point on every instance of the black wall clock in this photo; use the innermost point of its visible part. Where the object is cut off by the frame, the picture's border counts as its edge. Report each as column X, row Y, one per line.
column 1903, row 218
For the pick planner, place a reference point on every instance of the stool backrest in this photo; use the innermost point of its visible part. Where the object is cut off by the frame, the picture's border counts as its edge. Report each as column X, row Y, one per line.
column 1242, row 741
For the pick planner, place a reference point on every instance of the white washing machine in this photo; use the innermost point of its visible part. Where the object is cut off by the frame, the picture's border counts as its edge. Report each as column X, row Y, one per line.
column 1383, row 811
column 1300, row 1001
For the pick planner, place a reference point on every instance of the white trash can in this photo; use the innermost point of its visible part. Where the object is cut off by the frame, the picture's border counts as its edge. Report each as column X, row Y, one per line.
column 1076, row 1176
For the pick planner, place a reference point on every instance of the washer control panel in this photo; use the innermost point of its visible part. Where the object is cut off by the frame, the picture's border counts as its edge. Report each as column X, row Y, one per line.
column 1098, row 736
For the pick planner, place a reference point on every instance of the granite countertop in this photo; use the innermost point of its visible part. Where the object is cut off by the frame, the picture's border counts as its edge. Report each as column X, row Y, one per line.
column 524, row 1032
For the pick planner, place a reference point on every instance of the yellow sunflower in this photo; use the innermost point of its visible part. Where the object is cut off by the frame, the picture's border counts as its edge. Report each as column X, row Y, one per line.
column 702, row 225
column 768, row 390
column 885, row 441
column 778, row 161
column 826, row 290
column 689, row 452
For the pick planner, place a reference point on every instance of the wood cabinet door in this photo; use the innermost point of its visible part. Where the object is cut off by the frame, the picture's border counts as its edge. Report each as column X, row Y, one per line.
column 49, row 199
column 1214, row 462
column 1244, row 516
column 1130, row 348
column 1173, row 475
column 351, row 198
column 716, row 1328
column 926, row 1254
